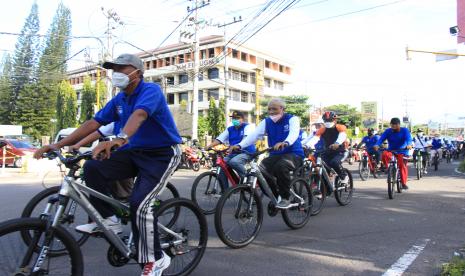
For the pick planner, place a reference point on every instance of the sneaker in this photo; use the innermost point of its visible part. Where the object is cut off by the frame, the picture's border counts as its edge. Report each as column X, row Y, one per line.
column 157, row 268
column 345, row 180
column 405, row 187
column 425, row 171
column 92, row 227
column 283, row 204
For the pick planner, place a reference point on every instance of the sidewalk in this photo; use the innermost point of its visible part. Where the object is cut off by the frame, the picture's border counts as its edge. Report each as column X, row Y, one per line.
column 34, row 171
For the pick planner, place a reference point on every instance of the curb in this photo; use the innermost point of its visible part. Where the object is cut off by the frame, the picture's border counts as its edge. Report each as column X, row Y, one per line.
column 459, row 172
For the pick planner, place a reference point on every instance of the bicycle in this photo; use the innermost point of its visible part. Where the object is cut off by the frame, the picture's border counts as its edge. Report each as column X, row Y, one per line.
column 177, row 240
column 74, row 215
column 435, row 161
column 448, row 154
column 208, row 187
column 393, row 178
column 367, row 166
column 418, row 163
column 205, row 159
column 244, row 205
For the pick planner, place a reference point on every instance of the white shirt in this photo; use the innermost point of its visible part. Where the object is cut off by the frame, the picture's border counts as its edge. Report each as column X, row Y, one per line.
column 341, row 138
column 294, row 131
column 419, row 142
column 224, row 136
column 107, row 130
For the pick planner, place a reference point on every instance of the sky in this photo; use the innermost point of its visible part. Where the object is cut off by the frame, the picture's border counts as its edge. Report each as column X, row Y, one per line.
column 342, row 51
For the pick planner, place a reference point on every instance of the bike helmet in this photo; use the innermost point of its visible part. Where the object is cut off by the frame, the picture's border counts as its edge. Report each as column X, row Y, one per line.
column 329, row 116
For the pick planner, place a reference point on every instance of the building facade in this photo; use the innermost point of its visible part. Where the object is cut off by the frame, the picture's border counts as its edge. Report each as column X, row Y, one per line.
column 248, row 71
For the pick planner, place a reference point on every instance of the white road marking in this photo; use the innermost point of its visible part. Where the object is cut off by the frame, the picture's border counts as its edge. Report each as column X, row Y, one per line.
column 402, row 264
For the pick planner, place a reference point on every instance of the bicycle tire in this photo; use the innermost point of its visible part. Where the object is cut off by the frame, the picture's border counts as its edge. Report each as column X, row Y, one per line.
column 419, row 168
column 319, row 197
column 36, row 224
column 390, row 181
column 398, row 184
column 364, row 170
column 220, row 228
column 214, row 197
column 195, row 166
column 81, row 238
column 298, row 185
column 178, row 203
column 436, row 163
column 339, row 190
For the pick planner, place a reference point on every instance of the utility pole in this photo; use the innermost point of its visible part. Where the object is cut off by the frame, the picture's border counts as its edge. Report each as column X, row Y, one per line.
column 196, row 45
column 227, row 95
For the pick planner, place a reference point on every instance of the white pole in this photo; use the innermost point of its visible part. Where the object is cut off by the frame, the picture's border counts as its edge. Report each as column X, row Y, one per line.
column 195, row 100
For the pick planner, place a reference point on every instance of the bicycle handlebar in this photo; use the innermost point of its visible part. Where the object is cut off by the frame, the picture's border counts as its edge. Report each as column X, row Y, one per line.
column 68, row 161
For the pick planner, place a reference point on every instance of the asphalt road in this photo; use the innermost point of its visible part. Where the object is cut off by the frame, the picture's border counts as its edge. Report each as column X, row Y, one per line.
column 364, row 238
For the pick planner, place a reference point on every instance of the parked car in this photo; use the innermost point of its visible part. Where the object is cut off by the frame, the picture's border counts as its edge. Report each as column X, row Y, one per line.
column 16, row 150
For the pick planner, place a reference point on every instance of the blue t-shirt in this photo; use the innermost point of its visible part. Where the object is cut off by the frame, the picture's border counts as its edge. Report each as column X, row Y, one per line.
column 397, row 140
column 278, row 132
column 157, row 131
column 370, row 142
column 235, row 136
column 436, row 144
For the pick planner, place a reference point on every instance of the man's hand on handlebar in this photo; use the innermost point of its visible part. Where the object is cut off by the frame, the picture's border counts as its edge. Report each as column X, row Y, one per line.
column 280, row 146
column 334, row 146
column 376, row 148
column 103, row 149
column 409, row 147
column 40, row 152
column 234, row 148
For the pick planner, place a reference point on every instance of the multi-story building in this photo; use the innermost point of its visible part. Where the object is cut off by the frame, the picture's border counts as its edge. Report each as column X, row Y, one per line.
column 172, row 67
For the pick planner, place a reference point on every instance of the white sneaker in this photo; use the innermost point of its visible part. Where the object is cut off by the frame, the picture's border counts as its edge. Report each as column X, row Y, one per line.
column 345, row 180
column 92, row 227
column 156, row 268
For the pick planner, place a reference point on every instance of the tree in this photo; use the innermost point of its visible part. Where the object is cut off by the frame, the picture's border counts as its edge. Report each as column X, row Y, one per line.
column 203, row 127
column 347, row 115
column 66, row 107
column 23, row 65
column 87, row 101
column 221, row 116
column 5, row 88
column 295, row 104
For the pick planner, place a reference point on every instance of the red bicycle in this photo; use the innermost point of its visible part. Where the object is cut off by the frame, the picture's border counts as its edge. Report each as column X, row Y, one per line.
column 367, row 166
column 208, row 186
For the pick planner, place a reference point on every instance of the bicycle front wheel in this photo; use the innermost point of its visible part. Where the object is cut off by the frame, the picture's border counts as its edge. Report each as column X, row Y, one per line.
column 206, row 191
column 343, row 192
column 297, row 217
column 319, row 191
column 239, row 216
column 185, row 240
column 73, row 215
column 363, row 170
column 392, row 178
column 19, row 258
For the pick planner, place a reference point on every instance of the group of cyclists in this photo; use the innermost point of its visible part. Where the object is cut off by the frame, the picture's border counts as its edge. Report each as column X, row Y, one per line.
column 147, row 147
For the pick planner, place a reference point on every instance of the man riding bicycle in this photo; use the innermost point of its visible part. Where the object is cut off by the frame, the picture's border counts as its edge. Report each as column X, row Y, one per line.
column 283, row 131
column 334, row 137
column 421, row 145
column 370, row 141
column 152, row 154
column 400, row 141
column 436, row 147
column 233, row 135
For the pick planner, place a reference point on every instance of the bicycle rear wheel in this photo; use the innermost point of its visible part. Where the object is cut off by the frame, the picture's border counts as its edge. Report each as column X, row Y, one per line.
column 191, row 224
column 74, row 215
column 297, row 217
column 398, row 183
column 19, row 258
column 206, row 191
column 236, row 224
column 363, row 170
column 343, row 193
column 392, row 177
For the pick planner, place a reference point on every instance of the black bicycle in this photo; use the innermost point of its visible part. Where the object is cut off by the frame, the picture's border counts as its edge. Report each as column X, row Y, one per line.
column 393, row 179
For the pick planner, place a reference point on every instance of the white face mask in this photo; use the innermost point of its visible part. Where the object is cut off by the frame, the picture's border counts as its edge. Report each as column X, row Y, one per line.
column 420, row 134
column 329, row 125
column 120, row 80
column 276, row 117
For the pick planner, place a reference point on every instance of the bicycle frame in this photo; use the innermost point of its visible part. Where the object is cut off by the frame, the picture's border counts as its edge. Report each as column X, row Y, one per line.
column 370, row 161
column 230, row 173
column 71, row 189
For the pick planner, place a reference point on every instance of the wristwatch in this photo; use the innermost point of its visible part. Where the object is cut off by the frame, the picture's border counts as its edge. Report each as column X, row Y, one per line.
column 122, row 136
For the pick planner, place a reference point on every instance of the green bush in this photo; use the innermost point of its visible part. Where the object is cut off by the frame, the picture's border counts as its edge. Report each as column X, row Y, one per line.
column 455, row 268
column 462, row 166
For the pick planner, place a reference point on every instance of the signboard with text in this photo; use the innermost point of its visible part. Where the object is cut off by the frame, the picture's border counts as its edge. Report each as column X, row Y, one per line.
column 370, row 115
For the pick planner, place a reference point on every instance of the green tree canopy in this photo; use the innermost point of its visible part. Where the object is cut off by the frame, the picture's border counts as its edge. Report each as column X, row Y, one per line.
column 347, row 115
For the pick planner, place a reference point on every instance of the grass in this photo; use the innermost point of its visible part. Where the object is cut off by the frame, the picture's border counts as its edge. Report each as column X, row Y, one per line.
column 456, row 267
column 462, row 166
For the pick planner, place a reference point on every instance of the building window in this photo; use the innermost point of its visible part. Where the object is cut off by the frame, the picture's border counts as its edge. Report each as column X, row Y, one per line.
column 267, row 64
column 170, row 80
column 243, row 56
column 252, row 78
column 154, row 64
column 279, row 85
column 267, row 82
column 211, row 52
column 215, row 93
column 252, row 97
column 167, row 61
column 183, row 78
column 244, row 97
column 184, row 96
column 200, row 96
column 200, row 76
column 243, row 77
column 181, row 58
column 235, row 75
column 236, row 95
column 235, row 54
column 203, row 54
column 213, row 73
column 281, row 68
column 170, row 97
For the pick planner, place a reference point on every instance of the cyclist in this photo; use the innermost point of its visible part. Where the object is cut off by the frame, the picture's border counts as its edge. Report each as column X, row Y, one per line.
column 234, row 135
column 436, row 147
column 152, row 155
column 318, row 146
column 370, row 141
column 400, row 140
column 421, row 145
column 283, row 130
column 334, row 137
